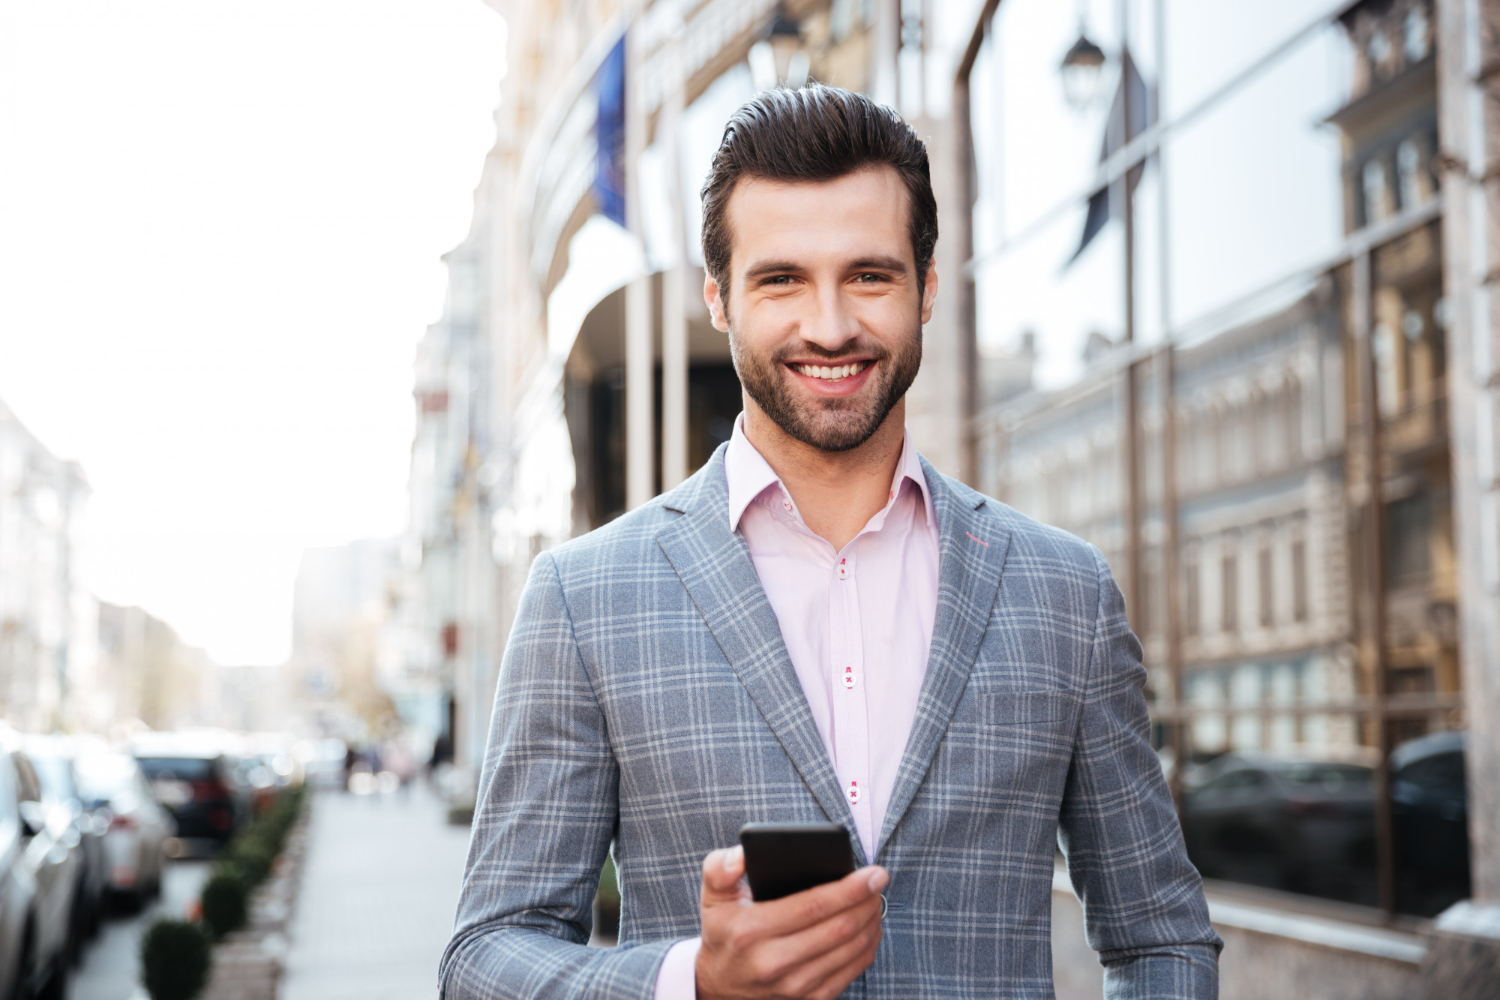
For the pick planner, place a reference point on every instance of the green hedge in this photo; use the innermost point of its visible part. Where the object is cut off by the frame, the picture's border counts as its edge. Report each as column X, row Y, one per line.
column 226, row 903
column 175, row 958
column 245, row 863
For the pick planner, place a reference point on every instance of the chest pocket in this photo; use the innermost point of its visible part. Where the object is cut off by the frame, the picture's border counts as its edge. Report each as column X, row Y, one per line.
column 1024, row 708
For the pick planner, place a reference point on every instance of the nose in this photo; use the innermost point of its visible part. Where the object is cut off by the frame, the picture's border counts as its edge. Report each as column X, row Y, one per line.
column 832, row 326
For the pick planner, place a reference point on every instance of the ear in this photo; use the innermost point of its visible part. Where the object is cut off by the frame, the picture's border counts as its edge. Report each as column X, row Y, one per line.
column 715, row 302
column 929, row 292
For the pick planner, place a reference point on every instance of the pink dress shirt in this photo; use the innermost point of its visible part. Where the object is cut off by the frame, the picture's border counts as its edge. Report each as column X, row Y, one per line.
column 857, row 624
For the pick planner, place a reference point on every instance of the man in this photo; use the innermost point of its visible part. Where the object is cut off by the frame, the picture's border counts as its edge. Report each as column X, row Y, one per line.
column 819, row 626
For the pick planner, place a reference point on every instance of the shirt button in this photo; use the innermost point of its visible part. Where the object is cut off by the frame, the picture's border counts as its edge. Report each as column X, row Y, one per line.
column 854, row 793
column 849, row 678
column 787, row 504
column 843, row 570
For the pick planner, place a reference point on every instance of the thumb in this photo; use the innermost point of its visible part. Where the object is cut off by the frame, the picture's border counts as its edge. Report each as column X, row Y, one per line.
column 722, row 870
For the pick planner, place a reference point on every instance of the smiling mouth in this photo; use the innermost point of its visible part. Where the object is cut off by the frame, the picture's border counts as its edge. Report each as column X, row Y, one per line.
column 835, row 373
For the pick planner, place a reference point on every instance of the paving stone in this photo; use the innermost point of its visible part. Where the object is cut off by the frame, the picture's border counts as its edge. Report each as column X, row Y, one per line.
column 378, row 894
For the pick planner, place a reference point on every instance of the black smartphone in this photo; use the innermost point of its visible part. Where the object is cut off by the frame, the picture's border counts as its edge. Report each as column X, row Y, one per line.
column 783, row 858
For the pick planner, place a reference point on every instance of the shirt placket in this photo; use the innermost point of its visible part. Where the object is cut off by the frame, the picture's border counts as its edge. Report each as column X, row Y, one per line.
column 851, row 738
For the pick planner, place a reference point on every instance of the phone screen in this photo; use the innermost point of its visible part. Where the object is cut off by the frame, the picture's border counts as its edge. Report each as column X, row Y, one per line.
column 783, row 858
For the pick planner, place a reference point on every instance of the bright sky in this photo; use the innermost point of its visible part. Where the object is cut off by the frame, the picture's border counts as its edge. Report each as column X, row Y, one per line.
column 222, row 225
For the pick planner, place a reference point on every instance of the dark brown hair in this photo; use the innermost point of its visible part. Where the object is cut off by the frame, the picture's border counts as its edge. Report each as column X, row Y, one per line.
column 815, row 133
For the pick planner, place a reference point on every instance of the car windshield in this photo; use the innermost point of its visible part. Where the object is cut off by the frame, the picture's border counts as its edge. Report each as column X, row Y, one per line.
column 104, row 776
column 1444, row 771
column 1330, row 777
column 180, row 768
column 56, row 777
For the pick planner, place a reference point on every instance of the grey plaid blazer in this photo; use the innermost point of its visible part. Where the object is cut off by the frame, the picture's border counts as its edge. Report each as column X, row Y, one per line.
column 646, row 698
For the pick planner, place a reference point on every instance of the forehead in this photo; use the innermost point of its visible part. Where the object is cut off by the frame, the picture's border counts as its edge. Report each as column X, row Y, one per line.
column 858, row 214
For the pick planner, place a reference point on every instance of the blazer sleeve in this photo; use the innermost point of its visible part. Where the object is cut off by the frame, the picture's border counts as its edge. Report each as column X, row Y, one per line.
column 543, row 822
column 1143, row 904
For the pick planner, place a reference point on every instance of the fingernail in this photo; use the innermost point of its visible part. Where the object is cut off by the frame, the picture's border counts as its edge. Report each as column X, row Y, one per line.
column 732, row 856
column 879, row 879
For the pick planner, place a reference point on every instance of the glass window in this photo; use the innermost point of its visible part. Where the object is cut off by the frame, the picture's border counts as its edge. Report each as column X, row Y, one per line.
column 1191, row 612
column 1387, row 375
column 1293, row 397
column 1230, row 592
column 1376, row 196
column 8, row 813
column 56, row 775
column 1232, row 785
column 1267, row 589
column 1409, row 173
column 1414, row 32
column 1440, row 772
column 1409, row 524
column 181, row 768
column 28, row 788
column 103, row 776
column 1332, row 778
column 1299, row 580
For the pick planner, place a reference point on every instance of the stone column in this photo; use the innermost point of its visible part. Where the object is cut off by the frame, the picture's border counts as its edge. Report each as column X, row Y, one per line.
column 640, row 458
column 1465, row 957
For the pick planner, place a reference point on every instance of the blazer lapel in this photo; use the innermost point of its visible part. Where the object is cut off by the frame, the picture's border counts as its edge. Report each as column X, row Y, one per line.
column 714, row 565
column 971, row 553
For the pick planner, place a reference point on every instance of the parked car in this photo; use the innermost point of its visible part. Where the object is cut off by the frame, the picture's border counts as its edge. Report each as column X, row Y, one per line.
column 323, row 762
column 52, row 757
column 1287, row 823
column 197, row 781
column 17, row 891
column 136, row 827
column 1430, row 811
column 42, row 855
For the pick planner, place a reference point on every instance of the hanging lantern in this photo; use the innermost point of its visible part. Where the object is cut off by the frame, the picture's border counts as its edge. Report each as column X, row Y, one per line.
column 1081, row 70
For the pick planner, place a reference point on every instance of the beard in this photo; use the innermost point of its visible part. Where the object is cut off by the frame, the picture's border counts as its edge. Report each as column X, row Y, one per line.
column 835, row 424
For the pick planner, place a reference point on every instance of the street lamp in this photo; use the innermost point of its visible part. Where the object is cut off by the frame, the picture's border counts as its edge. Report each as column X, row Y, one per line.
column 1081, row 69
column 779, row 59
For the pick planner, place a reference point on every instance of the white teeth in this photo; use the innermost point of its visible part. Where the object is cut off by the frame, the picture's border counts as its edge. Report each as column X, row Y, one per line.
column 831, row 374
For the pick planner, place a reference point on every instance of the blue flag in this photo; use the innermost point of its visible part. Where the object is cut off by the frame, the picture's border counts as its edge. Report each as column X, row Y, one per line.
column 609, row 131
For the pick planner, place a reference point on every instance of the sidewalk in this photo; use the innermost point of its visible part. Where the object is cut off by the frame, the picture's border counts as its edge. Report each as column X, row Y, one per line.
column 377, row 899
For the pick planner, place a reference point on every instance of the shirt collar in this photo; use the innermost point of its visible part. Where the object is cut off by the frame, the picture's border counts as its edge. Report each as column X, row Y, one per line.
column 749, row 474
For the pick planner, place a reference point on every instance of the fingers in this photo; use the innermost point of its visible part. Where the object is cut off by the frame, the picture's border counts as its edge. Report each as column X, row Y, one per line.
column 811, row 944
column 812, row 955
column 722, row 870
column 834, row 984
column 804, row 909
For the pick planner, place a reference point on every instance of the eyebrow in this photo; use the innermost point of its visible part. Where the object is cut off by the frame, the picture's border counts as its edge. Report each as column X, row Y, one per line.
column 878, row 264
column 770, row 267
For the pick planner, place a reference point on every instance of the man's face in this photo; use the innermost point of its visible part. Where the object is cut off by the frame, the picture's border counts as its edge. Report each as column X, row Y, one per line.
column 825, row 307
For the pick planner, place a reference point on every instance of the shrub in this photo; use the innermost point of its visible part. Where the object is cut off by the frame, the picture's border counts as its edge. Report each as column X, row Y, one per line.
column 252, row 853
column 175, row 957
column 607, row 901
column 226, row 903
column 253, row 860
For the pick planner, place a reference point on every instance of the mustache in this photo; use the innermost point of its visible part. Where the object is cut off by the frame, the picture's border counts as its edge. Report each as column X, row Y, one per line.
column 806, row 350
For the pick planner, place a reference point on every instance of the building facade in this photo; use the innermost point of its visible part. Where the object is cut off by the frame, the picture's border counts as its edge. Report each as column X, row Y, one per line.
column 46, row 616
column 147, row 676
column 1265, row 611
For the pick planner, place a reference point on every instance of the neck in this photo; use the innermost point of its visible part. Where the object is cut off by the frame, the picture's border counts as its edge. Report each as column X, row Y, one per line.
column 837, row 492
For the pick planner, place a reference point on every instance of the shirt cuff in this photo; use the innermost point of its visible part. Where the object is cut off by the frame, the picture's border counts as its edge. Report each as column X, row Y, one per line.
column 678, row 977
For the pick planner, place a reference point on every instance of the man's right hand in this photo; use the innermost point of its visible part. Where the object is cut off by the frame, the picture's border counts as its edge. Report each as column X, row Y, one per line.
column 808, row 945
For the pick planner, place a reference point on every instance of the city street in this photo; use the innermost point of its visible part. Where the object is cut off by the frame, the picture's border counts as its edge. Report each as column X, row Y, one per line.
column 112, row 961
column 377, row 899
